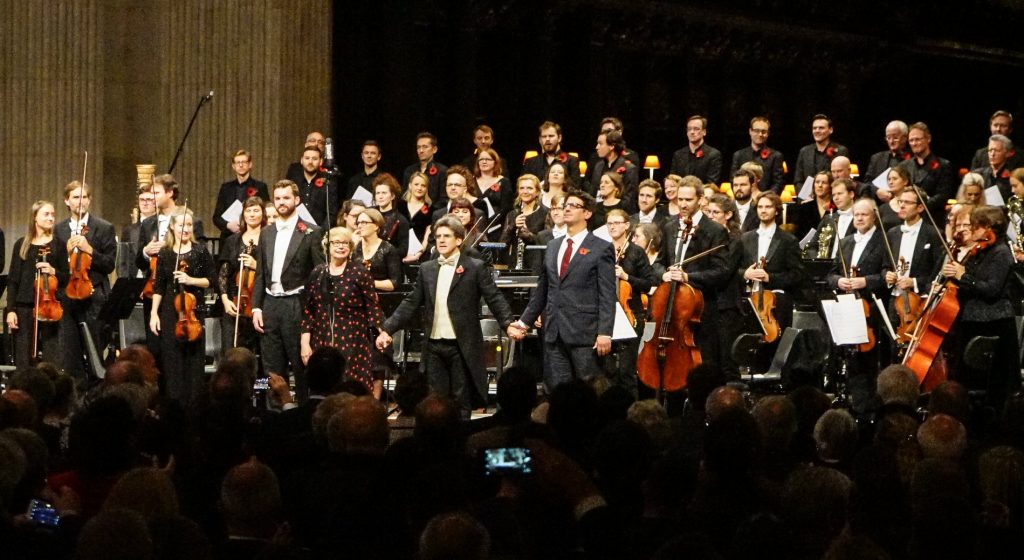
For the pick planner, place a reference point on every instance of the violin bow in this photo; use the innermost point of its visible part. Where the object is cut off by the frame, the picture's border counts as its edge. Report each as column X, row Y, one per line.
column 81, row 195
column 921, row 198
column 885, row 238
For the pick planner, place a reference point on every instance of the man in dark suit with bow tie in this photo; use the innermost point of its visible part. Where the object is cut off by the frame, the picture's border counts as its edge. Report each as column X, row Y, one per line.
column 782, row 274
column 844, row 193
column 287, row 253
column 449, row 289
column 93, row 236
column 917, row 250
column 865, row 253
column 745, row 191
column 576, row 295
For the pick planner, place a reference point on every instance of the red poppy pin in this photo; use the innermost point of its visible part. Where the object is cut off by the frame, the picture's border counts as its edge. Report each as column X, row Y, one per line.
column 460, row 270
column 584, row 251
column 301, row 226
column 425, row 209
column 905, row 156
column 323, row 169
column 496, row 187
column 432, row 170
column 699, row 154
column 319, row 182
column 765, row 153
column 934, row 165
column 1011, row 153
column 830, row 151
column 250, row 192
column 621, row 170
column 563, row 157
column 1005, row 174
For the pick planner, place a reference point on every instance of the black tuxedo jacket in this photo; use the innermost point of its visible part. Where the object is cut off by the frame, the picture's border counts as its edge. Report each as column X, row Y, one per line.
column 661, row 217
column 304, row 253
column 783, row 264
column 581, row 306
column 869, row 266
column 926, row 260
column 883, row 160
column 148, row 230
column 230, row 192
column 750, row 221
column 472, row 281
column 709, row 273
column 833, row 219
column 705, row 162
column 104, row 250
column 774, row 179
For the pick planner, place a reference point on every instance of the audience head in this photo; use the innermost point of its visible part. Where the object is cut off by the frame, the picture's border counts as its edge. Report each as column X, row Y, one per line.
column 776, row 421
column 653, row 418
column 411, row 388
column 836, row 435
column 942, row 437
column 250, row 500
column 143, row 358
column 359, row 428
column 101, row 440
column 13, row 466
column 35, row 384
column 722, row 399
column 324, row 370
column 454, row 536
column 116, row 534
column 327, row 409
column 950, row 398
column 517, row 394
column 731, row 444
column 438, row 423
column 898, row 384
column 123, row 371
column 146, row 491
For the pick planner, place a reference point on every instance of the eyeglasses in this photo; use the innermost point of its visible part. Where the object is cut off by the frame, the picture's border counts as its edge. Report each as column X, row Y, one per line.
column 576, row 205
column 759, row 130
column 559, row 208
column 363, row 222
column 338, row 242
column 962, row 226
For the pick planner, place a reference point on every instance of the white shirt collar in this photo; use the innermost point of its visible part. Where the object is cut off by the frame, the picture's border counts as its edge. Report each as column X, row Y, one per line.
column 284, row 225
column 74, row 224
column 859, row 237
column 559, row 231
column 847, row 212
column 650, row 214
column 916, row 228
column 766, row 231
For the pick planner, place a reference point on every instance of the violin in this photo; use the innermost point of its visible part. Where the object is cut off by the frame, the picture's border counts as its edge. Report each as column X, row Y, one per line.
column 79, row 285
column 909, row 307
column 188, row 327
column 47, row 308
column 245, row 279
column 870, row 344
column 763, row 302
column 147, row 289
column 676, row 306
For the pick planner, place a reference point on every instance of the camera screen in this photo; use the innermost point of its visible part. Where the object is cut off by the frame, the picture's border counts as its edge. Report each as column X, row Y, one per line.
column 261, row 384
column 507, row 460
column 43, row 513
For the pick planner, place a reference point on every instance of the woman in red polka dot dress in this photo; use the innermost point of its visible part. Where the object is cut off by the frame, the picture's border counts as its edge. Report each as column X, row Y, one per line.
column 342, row 309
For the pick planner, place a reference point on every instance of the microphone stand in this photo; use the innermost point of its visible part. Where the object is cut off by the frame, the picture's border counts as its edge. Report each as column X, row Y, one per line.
column 181, row 146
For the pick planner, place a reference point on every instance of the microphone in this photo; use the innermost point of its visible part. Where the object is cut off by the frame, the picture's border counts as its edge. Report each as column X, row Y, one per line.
column 208, row 96
column 328, row 153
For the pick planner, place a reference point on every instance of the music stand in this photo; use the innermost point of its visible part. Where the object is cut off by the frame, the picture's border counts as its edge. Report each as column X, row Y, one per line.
column 120, row 303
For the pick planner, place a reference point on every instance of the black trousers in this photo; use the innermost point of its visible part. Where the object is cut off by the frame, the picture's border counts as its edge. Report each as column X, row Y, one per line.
column 49, row 339
column 72, row 344
column 280, row 343
column 247, row 335
column 449, row 375
column 620, row 365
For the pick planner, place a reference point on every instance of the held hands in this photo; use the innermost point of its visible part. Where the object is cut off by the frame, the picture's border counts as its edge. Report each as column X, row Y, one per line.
column 603, row 345
column 383, row 340
column 516, row 331
column 305, row 352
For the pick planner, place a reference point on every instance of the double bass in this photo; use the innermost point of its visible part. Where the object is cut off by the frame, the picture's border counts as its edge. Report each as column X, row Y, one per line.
column 676, row 307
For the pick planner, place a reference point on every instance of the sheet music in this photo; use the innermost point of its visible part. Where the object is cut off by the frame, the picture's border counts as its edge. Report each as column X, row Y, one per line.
column 882, row 181
column 807, row 238
column 304, row 214
column 414, row 245
column 363, row 195
column 993, row 197
column 602, row 232
column 845, row 318
column 807, row 189
column 233, row 213
column 622, row 329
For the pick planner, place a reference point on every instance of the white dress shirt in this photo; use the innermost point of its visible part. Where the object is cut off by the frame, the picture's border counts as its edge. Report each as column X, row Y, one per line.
column 442, row 327
column 682, row 253
column 907, row 244
column 860, row 241
column 74, row 223
column 285, row 230
column 843, row 222
column 741, row 211
column 647, row 218
column 577, row 240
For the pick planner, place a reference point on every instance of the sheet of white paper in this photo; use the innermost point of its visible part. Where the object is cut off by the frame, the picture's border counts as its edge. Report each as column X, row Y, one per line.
column 363, row 195
column 414, row 245
column 622, row 329
column 233, row 212
column 807, row 189
column 845, row 318
column 882, row 181
column 602, row 232
column 885, row 317
column 1011, row 234
column 807, row 238
column 304, row 214
column 993, row 197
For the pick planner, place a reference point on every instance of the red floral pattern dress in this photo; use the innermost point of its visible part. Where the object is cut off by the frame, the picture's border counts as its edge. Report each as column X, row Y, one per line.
column 343, row 311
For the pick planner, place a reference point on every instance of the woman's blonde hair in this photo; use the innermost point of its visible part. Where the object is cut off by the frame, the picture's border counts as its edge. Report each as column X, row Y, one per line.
column 176, row 218
column 32, row 231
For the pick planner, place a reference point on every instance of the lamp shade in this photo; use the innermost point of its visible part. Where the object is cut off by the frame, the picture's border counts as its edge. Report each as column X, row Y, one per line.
column 854, row 170
column 964, row 171
column 529, row 154
column 583, row 168
column 785, row 167
column 651, row 162
column 726, row 189
column 575, row 155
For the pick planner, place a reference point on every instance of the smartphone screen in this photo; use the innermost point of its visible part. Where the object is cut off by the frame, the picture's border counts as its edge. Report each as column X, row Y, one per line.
column 43, row 513
column 504, row 461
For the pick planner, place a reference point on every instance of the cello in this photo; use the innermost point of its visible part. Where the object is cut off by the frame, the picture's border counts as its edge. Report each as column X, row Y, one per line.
column 623, row 290
column 79, row 284
column 763, row 302
column 676, row 307
column 940, row 311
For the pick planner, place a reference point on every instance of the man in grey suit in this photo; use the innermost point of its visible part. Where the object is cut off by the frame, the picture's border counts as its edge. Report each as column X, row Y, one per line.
column 576, row 293
column 450, row 288
column 287, row 253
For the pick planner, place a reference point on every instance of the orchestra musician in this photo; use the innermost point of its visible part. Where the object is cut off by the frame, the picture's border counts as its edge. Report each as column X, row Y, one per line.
column 576, row 294
column 707, row 274
column 917, row 247
column 342, row 310
column 449, row 289
column 840, row 221
column 524, row 223
column 395, row 229
column 93, row 236
column 985, row 307
column 782, row 274
column 236, row 252
column 26, row 260
column 130, row 234
column 864, row 253
column 384, row 264
column 648, row 238
column 183, row 361
column 416, row 208
column 809, row 213
column 633, row 268
column 286, row 255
